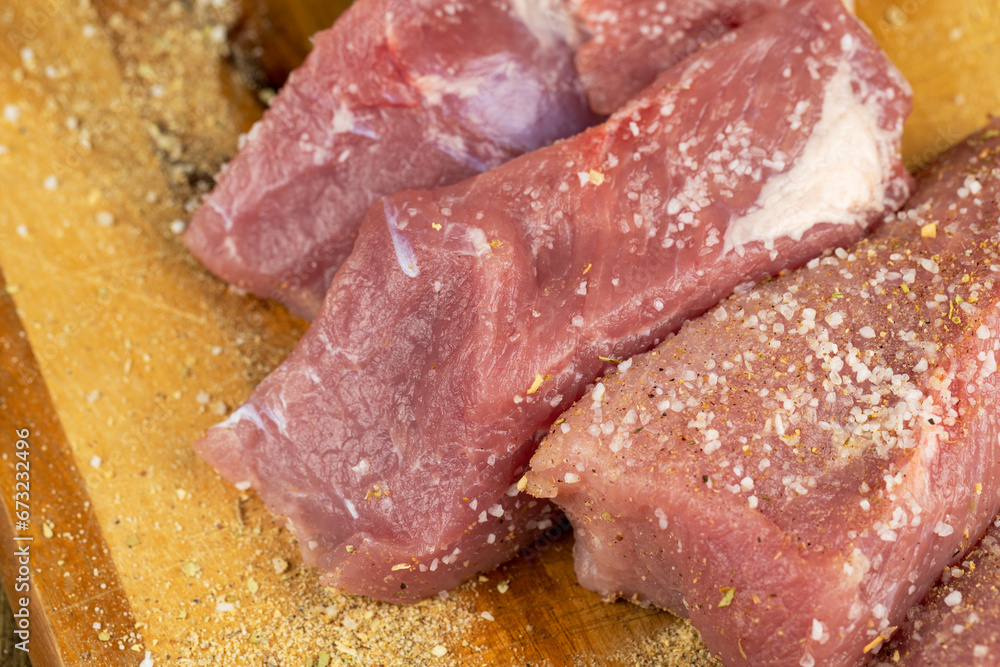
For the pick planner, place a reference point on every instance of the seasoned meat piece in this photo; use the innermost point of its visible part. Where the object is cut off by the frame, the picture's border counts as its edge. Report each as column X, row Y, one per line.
column 397, row 94
column 958, row 623
column 794, row 469
column 469, row 317
column 631, row 41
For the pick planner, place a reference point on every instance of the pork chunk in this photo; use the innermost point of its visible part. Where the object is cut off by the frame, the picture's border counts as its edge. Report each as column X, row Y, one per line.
column 397, row 94
column 631, row 41
column 794, row 469
column 468, row 318
column 958, row 623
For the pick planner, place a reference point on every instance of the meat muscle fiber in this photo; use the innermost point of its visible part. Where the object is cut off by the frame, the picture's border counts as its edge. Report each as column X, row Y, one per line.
column 631, row 41
column 958, row 624
column 469, row 317
column 397, row 94
column 794, row 468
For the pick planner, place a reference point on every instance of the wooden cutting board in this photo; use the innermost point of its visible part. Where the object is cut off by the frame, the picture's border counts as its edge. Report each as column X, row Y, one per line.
column 117, row 350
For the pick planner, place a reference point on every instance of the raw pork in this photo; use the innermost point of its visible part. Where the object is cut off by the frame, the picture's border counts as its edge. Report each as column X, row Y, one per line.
column 469, row 317
column 398, row 94
column 632, row 41
column 958, row 624
column 794, row 469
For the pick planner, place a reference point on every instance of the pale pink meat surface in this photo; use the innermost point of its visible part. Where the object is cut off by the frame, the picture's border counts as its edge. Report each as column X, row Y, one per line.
column 397, row 94
column 958, row 623
column 469, row 317
column 794, row 469
column 631, row 41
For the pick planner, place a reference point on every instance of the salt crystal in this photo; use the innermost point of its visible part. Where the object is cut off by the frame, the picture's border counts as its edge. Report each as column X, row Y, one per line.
column 943, row 529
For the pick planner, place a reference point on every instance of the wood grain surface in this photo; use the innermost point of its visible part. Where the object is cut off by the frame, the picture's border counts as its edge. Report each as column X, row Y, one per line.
column 75, row 593
column 130, row 108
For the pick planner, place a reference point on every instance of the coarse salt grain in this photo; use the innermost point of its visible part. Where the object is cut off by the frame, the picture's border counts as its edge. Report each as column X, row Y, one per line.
column 105, row 219
column 95, row 462
column 439, row 651
column 488, row 616
column 11, row 113
column 178, row 226
column 50, row 183
column 953, row 599
column 217, row 34
column 598, row 393
column 943, row 529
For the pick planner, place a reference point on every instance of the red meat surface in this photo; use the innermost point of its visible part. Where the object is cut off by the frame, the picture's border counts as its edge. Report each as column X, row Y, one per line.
column 397, row 94
column 469, row 317
column 631, row 41
column 958, row 623
column 794, row 469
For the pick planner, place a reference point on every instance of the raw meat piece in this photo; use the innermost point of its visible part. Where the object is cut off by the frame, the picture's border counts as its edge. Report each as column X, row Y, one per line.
column 794, row 468
column 958, row 624
column 469, row 317
column 398, row 94
column 632, row 41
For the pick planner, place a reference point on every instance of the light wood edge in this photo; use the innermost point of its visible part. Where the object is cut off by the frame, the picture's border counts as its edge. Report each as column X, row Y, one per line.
column 56, row 482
